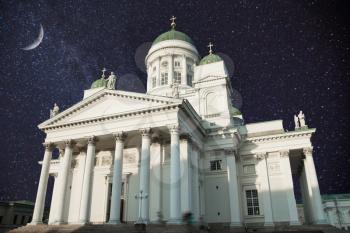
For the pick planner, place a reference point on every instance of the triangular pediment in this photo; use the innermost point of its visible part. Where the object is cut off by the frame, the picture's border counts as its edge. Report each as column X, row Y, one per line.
column 108, row 103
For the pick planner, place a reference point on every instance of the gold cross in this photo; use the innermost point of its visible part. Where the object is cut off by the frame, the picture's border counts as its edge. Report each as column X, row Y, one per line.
column 210, row 45
column 173, row 24
column 103, row 72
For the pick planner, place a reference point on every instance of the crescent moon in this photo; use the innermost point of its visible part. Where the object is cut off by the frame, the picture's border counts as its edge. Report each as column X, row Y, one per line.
column 38, row 40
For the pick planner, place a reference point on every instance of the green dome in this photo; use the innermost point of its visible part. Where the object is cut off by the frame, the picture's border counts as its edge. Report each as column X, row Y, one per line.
column 173, row 35
column 235, row 111
column 99, row 83
column 211, row 58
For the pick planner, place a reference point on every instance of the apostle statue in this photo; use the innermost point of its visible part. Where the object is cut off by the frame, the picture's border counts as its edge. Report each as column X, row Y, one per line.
column 54, row 111
column 301, row 117
column 296, row 122
column 111, row 81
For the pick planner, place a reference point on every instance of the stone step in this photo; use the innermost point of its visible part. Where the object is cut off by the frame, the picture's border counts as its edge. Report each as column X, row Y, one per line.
column 124, row 228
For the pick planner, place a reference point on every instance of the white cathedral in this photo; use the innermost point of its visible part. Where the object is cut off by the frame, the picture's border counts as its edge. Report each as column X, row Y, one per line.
column 129, row 157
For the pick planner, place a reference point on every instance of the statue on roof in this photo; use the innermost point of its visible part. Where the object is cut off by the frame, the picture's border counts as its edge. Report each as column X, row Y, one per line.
column 111, row 81
column 54, row 111
column 296, row 122
column 301, row 117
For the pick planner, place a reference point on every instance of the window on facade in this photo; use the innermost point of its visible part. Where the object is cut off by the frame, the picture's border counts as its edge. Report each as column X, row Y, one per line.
column 164, row 79
column 164, row 63
column 189, row 79
column 15, row 219
column 23, row 219
column 249, row 169
column 215, row 165
column 177, row 77
column 154, row 80
column 252, row 202
column 189, row 67
column 177, row 64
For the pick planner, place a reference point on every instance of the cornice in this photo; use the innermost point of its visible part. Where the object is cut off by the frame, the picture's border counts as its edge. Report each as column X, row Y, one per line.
column 287, row 135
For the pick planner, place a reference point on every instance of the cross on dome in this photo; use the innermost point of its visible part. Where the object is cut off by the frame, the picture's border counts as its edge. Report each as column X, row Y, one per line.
column 103, row 72
column 210, row 45
column 173, row 24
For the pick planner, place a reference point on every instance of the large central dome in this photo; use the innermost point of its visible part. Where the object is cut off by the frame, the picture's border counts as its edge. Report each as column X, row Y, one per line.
column 173, row 35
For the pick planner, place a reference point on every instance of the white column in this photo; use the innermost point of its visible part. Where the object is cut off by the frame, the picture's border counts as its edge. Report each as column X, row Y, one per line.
column 41, row 194
column 195, row 186
column 87, row 182
column 235, row 209
column 175, row 191
column 144, row 173
column 158, row 72
column 186, row 178
column 289, row 187
column 171, row 70
column 117, row 178
column 156, row 180
column 266, row 191
column 184, row 71
column 64, row 173
column 313, row 188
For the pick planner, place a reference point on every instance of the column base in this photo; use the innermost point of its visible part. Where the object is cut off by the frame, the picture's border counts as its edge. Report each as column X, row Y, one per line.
column 114, row 222
column 320, row 222
column 82, row 222
column 174, row 221
column 59, row 223
column 294, row 223
column 236, row 224
column 35, row 223
column 269, row 224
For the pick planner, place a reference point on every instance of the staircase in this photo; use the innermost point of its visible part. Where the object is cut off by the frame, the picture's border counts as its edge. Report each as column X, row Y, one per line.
column 106, row 228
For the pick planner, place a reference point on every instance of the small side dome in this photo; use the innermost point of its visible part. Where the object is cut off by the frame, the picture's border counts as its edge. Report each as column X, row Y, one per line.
column 211, row 58
column 173, row 35
column 102, row 82
column 99, row 83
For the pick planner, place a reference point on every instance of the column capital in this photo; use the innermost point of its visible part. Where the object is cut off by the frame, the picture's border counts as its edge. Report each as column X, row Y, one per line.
column 49, row 146
column 120, row 136
column 145, row 132
column 92, row 140
column 307, row 151
column 69, row 143
column 261, row 155
column 284, row 153
column 186, row 137
column 174, row 128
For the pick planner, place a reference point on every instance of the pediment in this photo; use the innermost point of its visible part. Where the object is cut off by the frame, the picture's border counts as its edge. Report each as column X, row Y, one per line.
column 108, row 103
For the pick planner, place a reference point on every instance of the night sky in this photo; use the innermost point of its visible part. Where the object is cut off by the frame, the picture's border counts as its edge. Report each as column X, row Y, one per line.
column 283, row 56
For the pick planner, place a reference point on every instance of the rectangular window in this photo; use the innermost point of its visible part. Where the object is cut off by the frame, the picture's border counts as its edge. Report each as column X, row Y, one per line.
column 23, row 219
column 164, row 79
column 249, row 169
column 15, row 219
column 177, row 77
column 215, row 165
column 189, row 67
column 154, row 80
column 189, row 80
column 252, row 202
column 177, row 64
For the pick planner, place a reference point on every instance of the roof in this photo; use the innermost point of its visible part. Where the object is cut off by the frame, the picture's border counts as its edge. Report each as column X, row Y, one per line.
column 211, row 58
column 173, row 35
column 336, row 196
